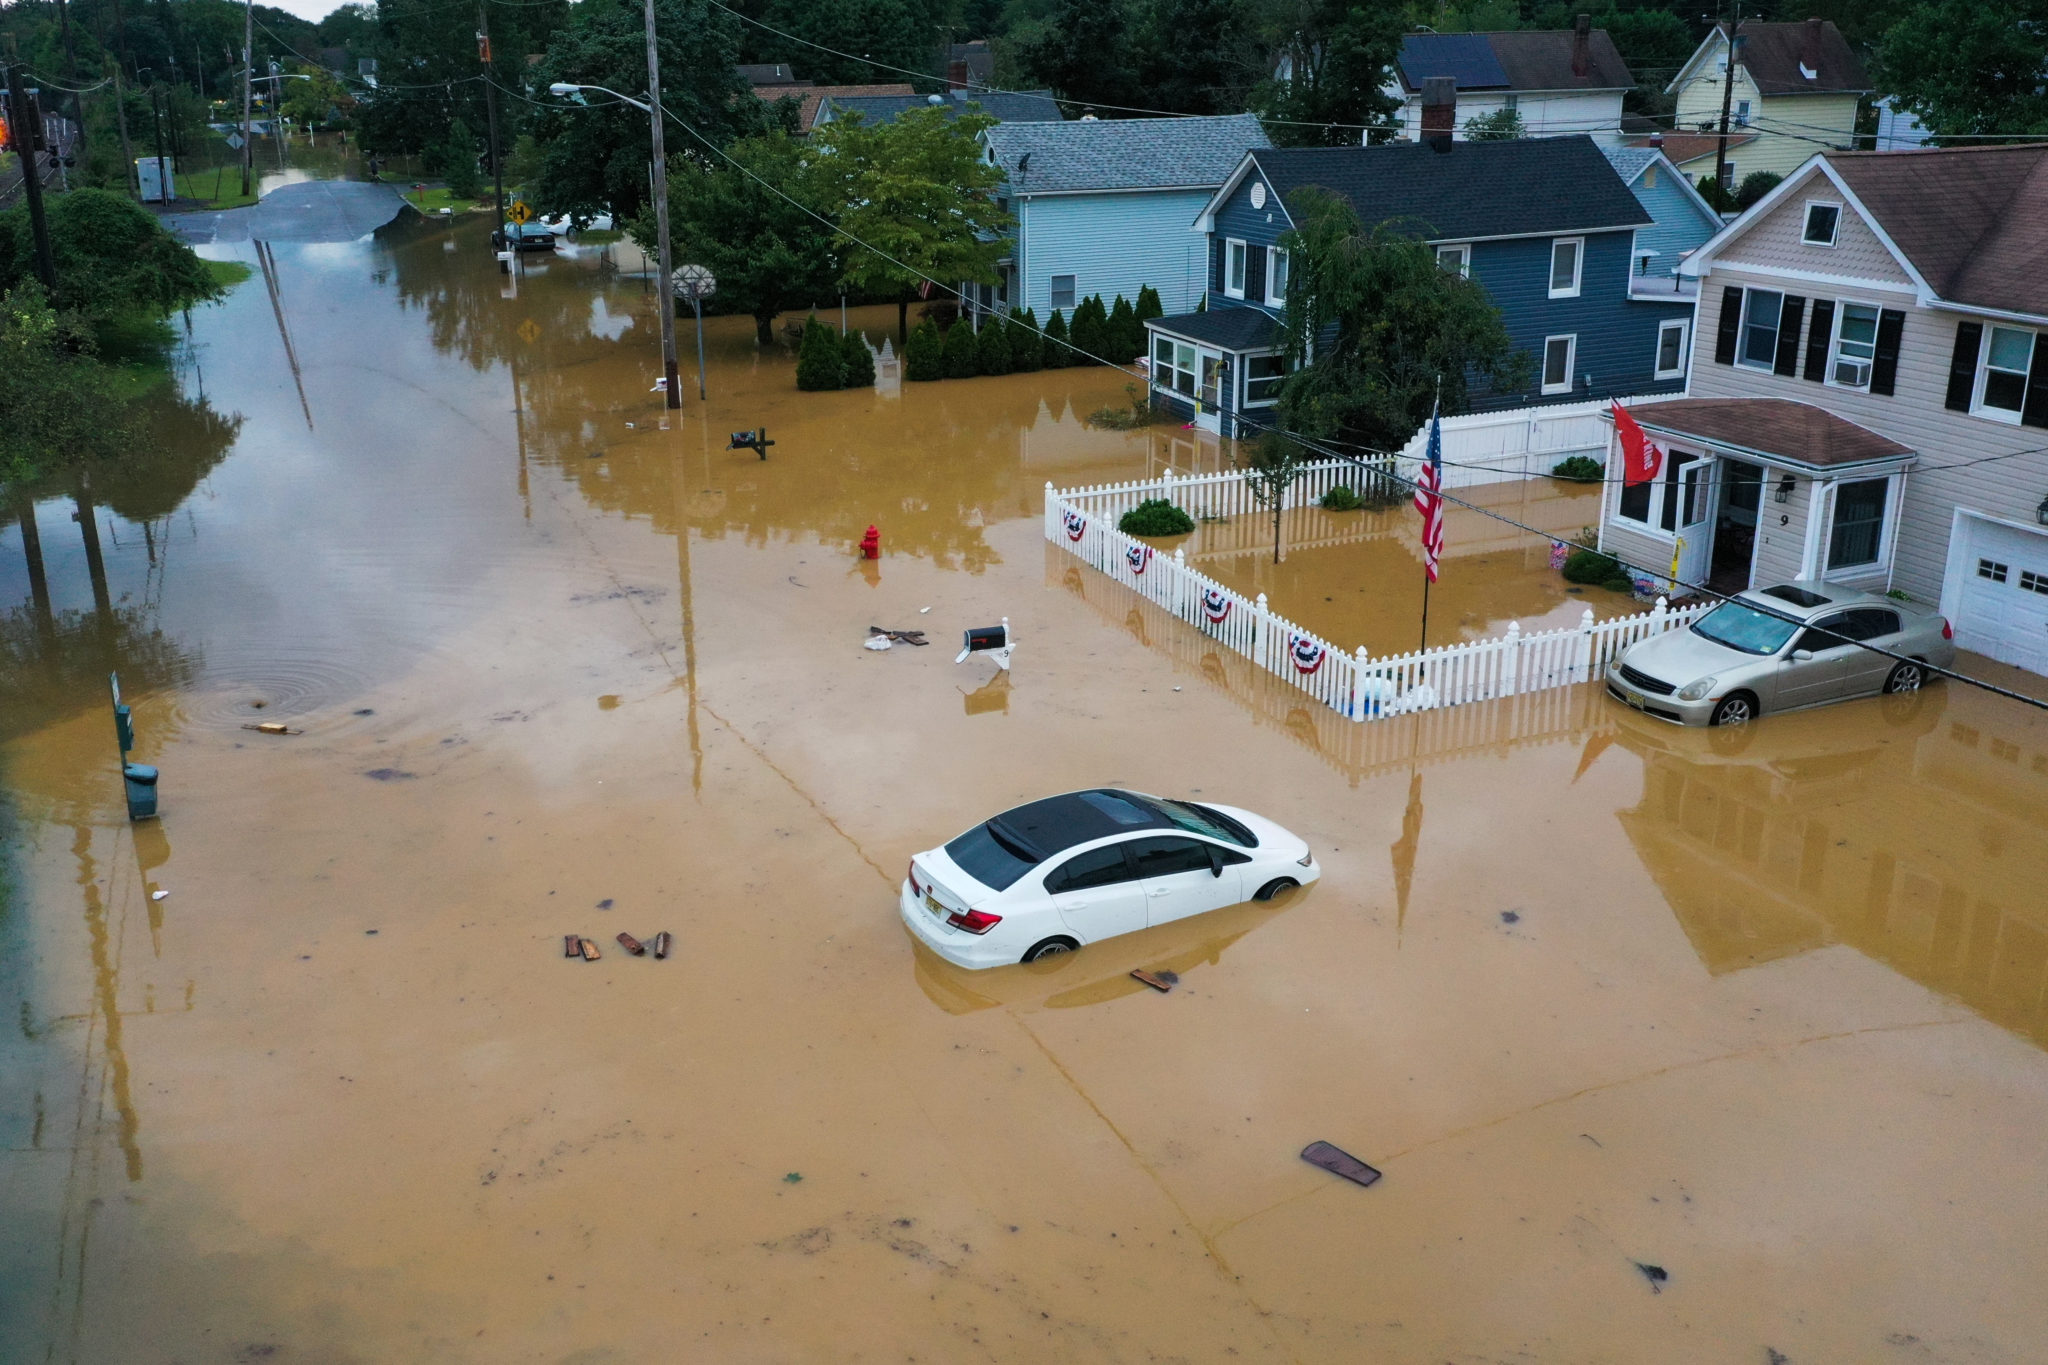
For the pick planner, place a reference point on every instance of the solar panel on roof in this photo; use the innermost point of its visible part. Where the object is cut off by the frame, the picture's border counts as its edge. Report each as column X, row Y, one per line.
column 1465, row 57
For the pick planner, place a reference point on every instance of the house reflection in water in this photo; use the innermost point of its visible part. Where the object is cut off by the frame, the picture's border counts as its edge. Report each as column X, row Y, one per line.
column 1913, row 829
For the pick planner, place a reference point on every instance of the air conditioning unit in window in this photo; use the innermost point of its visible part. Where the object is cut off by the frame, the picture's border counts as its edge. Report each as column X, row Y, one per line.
column 1853, row 374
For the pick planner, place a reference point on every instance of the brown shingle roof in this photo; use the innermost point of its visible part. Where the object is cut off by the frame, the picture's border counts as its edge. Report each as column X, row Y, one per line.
column 1775, row 53
column 1972, row 220
column 811, row 96
column 1684, row 147
column 1777, row 428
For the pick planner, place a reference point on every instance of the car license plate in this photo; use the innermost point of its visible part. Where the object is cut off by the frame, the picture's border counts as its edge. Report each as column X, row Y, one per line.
column 1634, row 699
column 931, row 903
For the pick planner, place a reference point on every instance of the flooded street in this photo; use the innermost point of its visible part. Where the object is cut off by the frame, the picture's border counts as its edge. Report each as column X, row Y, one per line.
column 1764, row 1011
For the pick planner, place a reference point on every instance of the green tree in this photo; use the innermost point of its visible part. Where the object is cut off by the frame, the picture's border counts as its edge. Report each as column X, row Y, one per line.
column 924, row 354
column 992, row 347
column 963, row 356
column 1087, row 51
column 1970, row 66
column 1385, row 325
column 1149, row 307
column 820, row 361
column 454, row 160
column 889, row 33
column 1057, row 352
column 1337, row 53
column 1718, row 199
column 60, row 401
column 1124, row 334
column 113, row 258
column 1755, row 186
column 919, row 192
column 1502, row 125
column 859, row 361
column 1271, row 465
column 1196, row 56
column 1090, row 333
column 1027, row 348
column 317, row 101
column 595, row 159
column 768, row 255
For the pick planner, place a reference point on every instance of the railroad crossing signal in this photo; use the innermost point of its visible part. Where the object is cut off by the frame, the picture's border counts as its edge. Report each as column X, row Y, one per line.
column 520, row 212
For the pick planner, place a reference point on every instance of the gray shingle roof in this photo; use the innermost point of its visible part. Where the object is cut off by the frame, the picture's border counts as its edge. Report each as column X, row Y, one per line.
column 1007, row 105
column 1124, row 154
column 1231, row 329
column 1628, row 162
column 1523, row 187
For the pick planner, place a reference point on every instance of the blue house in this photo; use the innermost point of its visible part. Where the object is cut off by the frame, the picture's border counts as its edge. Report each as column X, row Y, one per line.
column 1546, row 225
column 1103, row 207
column 1681, row 219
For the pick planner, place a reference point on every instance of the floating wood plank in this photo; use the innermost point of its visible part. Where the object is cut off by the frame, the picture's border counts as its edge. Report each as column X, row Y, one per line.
column 631, row 944
column 1337, row 1161
column 590, row 953
column 1154, row 980
column 572, row 946
column 661, row 943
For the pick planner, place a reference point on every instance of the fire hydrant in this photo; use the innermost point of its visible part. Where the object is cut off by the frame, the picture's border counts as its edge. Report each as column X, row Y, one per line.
column 871, row 544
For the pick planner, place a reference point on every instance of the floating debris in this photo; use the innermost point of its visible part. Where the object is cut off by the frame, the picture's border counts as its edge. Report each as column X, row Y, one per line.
column 590, row 953
column 631, row 944
column 572, row 945
column 273, row 727
column 1655, row 1274
column 662, row 941
column 1337, row 1161
column 1158, row 981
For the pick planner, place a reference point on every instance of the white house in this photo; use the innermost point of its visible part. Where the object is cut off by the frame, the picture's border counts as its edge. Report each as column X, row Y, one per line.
column 1557, row 82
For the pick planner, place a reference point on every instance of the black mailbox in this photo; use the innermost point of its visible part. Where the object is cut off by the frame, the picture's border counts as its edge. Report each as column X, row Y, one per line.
column 987, row 637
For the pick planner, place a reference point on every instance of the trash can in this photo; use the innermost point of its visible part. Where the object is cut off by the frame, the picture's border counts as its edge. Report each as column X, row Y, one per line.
column 140, row 779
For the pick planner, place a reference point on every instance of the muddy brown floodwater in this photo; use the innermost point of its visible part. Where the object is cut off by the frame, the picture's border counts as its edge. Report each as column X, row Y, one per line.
column 1763, row 1011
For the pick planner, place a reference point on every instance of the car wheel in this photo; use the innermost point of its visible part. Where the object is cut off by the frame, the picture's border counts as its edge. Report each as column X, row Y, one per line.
column 1275, row 887
column 1906, row 676
column 1049, row 947
column 1737, row 708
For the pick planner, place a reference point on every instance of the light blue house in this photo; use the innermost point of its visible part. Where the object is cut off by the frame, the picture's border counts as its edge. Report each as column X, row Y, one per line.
column 1103, row 207
column 1682, row 219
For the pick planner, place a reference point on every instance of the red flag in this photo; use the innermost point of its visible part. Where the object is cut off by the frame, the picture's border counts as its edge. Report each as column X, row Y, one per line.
column 1640, row 458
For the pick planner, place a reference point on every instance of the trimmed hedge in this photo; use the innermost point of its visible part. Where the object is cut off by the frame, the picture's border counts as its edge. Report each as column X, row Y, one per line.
column 1155, row 517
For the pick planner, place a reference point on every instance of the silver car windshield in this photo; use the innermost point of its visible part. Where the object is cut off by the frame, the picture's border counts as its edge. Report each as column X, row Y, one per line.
column 1745, row 628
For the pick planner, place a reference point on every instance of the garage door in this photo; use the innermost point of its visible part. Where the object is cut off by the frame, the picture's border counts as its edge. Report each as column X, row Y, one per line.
column 2003, row 611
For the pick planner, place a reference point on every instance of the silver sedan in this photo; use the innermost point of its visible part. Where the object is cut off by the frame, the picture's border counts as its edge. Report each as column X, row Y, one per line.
column 1780, row 649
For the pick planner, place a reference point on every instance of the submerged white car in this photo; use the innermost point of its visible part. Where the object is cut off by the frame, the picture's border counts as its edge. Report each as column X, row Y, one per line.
column 1056, row 874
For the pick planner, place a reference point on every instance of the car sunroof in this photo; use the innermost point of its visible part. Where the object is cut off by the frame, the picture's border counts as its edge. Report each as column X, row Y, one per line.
column 1798, row 597
column 1118, row 809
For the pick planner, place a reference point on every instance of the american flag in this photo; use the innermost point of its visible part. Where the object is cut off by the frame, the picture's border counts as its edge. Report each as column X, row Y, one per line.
column 1429, row 498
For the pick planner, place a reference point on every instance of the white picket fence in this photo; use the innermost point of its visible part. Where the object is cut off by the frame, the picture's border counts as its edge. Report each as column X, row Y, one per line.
column 1082, row 521
column 1515, row 443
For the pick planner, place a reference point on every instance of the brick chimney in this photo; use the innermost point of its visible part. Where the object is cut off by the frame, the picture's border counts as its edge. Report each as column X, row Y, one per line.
column 956, row 74
column 1582, row 44
column 1657, row 141
column 1439, row 108
column 1809, row 49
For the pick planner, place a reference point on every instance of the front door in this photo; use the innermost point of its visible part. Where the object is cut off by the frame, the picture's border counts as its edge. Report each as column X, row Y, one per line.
column 1735, row 520
column 1695, row 522
column 1209, row 394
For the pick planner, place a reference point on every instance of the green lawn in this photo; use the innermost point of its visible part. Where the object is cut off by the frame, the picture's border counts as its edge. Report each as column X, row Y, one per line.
column 434, row 198
column 228, row 274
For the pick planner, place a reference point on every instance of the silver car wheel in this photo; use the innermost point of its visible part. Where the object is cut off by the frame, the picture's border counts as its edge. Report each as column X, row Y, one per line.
column 1735, row 710
column 1905, row 677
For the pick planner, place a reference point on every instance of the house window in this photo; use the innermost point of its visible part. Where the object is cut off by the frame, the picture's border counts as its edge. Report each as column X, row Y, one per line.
column 1855, row 346
column 1650, row 177
column 1456, row 259
column 1558, row 353
column 1276, row 276
column 1671, row 349
column 1514, row 100
column 1262, row 376
column 1063, row 291
column 1234, row 268
column 1858, row 532
column 1564, row 266
column 1822, row 222
column 1761, row 309
column 1992, row 569
column 2008, row 356
column 1173, row 366
column 1742, row 113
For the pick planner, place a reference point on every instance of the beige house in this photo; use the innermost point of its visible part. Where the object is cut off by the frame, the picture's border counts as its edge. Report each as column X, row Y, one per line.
column 1873, row 406
column 1796, row 91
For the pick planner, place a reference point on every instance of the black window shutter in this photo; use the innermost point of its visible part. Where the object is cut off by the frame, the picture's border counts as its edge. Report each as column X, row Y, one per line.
column 1730, row 324
column 2034, row 412
column 1255, row 273
column 1788, row 336
column 1818, row 336
column 1884, row 366
column 1215, row 265
column 1962, row 366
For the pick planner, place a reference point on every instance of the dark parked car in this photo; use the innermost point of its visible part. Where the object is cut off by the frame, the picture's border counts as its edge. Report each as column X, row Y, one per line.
column 524, row 237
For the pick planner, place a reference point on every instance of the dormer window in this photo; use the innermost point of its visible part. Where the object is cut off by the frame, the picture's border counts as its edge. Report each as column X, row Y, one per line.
column 1822, row 222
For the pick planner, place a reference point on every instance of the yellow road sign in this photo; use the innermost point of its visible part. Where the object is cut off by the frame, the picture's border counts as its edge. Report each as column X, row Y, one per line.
column 520, row 212
column 529, row 331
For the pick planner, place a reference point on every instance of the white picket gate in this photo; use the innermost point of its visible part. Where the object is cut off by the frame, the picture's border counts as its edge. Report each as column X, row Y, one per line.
column 1083, row 522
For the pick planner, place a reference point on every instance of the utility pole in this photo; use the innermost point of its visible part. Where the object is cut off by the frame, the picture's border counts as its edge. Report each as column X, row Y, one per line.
column 25, row 138
column 673, row 385
column 248, row 85
column 483, row 51
column 156, row 120
column 1727, row 99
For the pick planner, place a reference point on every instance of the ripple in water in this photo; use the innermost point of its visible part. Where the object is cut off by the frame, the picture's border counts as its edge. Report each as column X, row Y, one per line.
column 234, row 692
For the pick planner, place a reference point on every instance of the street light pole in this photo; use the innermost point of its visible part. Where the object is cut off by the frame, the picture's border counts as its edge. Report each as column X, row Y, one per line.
column 673, row 384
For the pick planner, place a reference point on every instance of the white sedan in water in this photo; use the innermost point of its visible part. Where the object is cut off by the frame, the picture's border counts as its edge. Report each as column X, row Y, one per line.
column 1055, row 874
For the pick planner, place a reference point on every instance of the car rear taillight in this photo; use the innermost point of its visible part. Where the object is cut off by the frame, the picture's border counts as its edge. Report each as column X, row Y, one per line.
column 1948, row 632
column 915, row 889
column 974, row 921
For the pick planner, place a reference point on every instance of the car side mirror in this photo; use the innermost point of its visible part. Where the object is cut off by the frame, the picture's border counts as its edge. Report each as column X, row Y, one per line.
column 1801, row 655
